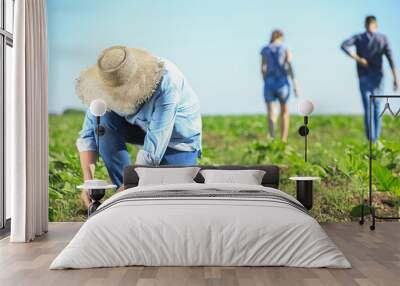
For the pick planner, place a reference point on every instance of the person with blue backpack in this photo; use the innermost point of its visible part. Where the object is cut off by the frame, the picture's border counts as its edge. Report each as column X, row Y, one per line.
column 278, row 76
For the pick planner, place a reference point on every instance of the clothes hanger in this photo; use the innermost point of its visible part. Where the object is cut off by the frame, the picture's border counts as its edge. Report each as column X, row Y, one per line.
column 397, row 113
column 387, row 107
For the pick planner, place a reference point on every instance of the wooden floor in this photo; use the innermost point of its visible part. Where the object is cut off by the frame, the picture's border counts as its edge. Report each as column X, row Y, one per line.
column 375, row 257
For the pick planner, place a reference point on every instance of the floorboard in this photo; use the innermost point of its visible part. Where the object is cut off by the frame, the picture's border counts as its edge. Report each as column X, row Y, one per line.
column 375, row 257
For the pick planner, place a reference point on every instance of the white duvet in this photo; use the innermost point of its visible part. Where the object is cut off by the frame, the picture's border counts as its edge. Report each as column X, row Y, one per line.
column 188, row 231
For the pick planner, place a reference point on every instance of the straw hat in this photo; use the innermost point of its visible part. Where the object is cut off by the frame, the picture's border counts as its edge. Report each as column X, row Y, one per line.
column 123, row 77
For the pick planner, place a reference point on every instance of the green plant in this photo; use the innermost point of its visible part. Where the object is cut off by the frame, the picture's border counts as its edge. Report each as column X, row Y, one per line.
column 337, row 153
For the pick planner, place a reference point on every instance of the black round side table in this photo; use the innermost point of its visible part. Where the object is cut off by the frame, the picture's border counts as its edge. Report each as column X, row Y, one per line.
column 95, row 195
column 304, row 190
column 96, row 191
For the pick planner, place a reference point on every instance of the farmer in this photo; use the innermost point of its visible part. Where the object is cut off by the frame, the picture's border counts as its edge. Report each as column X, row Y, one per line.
column 370, row 48
column 150, row 102
column 276, row 68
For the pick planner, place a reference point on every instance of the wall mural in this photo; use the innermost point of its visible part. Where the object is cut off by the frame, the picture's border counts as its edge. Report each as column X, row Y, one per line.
column 199, row 82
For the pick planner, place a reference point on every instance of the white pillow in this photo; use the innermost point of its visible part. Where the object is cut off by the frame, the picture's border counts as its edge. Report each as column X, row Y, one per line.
column 163, row 176
column 249, row 177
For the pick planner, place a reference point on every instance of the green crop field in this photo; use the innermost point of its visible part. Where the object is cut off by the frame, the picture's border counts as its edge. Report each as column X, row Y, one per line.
column 337, row 153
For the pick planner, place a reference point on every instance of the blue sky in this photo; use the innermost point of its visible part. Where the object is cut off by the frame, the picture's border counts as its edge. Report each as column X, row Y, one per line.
column 216, row 44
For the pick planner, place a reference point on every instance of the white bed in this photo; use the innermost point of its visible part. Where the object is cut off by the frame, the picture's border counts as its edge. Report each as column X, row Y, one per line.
column 166, row 225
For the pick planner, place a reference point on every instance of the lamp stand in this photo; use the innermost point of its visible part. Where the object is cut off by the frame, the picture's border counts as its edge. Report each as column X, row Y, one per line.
column 303, row 131
column 100, row 130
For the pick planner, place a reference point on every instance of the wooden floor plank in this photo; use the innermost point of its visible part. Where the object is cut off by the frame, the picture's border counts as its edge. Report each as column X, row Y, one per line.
column 375, row 257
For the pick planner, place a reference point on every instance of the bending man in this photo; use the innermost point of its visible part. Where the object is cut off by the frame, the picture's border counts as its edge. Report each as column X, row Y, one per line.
column 149, row 101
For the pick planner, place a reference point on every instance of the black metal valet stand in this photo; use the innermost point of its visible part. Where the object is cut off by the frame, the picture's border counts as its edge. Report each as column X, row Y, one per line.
column 372, row 209
column 96, row 194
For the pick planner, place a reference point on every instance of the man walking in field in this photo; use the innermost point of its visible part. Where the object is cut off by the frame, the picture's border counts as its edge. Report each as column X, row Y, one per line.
column 370, row 48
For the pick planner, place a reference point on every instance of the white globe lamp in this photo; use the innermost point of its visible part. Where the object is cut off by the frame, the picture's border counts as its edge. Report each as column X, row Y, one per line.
column 96, row 188
column 305, row 107
column 98, row 107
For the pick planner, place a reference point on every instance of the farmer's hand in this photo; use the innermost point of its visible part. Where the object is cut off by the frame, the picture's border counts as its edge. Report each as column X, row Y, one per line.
column 295, row 89
column 85, row 198
column 396, row 84
column 120, row 189
column 362, row 62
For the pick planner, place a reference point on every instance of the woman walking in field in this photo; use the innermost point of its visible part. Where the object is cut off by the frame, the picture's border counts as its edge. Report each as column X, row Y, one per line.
column 276, row 68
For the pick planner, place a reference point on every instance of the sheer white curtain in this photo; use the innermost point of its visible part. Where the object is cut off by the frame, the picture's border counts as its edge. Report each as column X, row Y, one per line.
column 27, row 124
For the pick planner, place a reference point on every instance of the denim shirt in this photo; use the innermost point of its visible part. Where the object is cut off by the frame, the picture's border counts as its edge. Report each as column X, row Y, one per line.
column 171, row 118
column 372, row 47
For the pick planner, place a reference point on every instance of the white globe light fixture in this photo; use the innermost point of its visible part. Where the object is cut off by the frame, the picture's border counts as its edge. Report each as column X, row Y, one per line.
column 305, row 107
column 98, row 108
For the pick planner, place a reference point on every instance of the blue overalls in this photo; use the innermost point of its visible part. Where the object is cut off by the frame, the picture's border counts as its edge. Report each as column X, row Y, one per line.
column 276, row 81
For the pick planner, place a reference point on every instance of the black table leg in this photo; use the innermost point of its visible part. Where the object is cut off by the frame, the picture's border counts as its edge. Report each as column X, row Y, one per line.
column 95, row 195
column 304, row 193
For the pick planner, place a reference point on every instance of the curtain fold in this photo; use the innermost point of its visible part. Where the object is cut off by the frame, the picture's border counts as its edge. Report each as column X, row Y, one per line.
column 27, row 123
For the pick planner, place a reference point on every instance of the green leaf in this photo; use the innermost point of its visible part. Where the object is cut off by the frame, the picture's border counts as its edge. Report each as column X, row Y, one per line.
column 54, row 195
column 356, row 211
column 387, row 182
